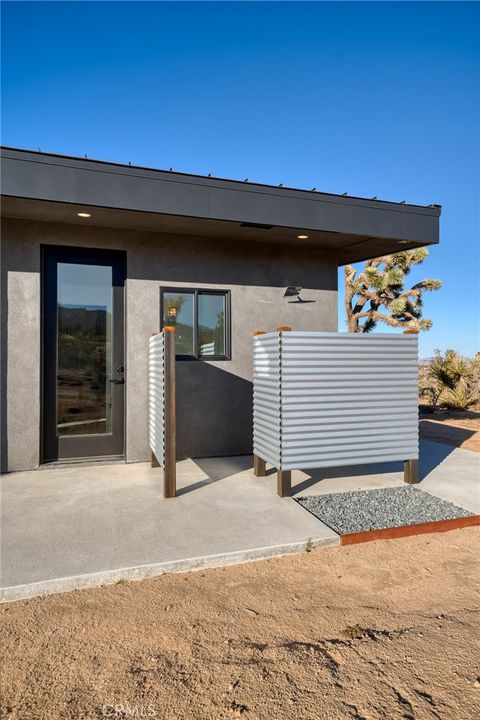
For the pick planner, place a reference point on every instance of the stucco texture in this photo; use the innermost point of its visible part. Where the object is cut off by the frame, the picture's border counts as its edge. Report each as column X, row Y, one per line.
column 214, row 398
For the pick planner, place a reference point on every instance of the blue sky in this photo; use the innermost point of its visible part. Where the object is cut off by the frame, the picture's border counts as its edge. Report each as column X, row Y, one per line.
column 369, row 98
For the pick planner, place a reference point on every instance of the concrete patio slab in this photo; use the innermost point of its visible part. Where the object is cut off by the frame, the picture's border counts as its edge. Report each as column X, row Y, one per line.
column 68, row 527
column 78, row 526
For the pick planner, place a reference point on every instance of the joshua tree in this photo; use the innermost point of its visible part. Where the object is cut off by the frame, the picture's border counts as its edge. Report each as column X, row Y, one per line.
column 378, row 294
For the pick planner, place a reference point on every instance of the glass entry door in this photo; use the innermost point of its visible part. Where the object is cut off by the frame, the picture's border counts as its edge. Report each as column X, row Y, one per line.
column 83, row 358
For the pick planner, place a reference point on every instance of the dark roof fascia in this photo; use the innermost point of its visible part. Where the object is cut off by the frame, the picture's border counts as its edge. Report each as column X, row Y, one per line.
column 212, row 181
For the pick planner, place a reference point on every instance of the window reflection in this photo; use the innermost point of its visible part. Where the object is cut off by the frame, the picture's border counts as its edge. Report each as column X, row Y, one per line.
column 178, row 312
column 84, row 349
column 211, row 324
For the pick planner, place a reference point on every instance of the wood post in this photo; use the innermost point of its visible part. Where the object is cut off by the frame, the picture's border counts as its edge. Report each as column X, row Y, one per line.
column 169, row 469
column 284, row 328
column 410, row 472
column 284, row 483
column 259, row 466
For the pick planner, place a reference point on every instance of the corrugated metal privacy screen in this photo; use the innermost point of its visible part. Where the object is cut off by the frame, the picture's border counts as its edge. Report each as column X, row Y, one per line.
column 331, row 399
column 156, row 399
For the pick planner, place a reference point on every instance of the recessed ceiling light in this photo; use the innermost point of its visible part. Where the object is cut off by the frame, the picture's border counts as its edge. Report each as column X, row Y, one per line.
column 302, row 237
column 84, row 215
column 403, row 242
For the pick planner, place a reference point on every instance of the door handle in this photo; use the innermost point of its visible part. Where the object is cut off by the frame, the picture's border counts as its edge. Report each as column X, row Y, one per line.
column 117, row 381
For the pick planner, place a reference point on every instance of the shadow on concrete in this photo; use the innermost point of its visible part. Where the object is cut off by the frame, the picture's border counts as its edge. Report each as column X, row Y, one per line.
column 317, row 475
column 432, row 454
column 221, row 468
column 194, row 486
column 218, row 468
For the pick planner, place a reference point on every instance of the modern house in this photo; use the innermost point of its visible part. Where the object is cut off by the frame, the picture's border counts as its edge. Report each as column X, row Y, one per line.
column 97, row 256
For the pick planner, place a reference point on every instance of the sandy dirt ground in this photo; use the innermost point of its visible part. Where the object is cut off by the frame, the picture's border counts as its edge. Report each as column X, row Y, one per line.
column 460, row 428
column 381, row 630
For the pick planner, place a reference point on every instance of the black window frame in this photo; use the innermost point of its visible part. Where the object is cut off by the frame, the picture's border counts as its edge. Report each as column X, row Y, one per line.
column 228, row 320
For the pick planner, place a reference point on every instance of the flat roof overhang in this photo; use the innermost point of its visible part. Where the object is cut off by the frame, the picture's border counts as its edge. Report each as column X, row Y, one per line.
column 54, row 188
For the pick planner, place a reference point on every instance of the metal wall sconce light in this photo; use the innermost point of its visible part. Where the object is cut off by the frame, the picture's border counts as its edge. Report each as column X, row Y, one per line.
column 294, row 291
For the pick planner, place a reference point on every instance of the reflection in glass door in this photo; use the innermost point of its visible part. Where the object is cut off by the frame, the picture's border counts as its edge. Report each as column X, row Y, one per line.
column 83, row 354
column 84, row 349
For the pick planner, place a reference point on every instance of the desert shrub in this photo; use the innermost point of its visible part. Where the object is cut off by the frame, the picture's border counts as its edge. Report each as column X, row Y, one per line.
column 459, row 397
column 450, row 380
column 447, row 370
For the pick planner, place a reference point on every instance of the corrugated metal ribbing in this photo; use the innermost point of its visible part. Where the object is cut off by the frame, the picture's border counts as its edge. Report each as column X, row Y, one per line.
column 266, row 397
column 345, row 399
column 156, row 396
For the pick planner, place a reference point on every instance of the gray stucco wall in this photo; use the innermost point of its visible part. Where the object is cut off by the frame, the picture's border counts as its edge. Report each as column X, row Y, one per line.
column 214, row 399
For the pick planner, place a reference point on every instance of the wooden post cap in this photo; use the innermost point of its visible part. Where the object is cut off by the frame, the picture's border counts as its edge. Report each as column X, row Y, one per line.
column 259, row 332
column 410, row 331
column 282, row 328
column 169, row 328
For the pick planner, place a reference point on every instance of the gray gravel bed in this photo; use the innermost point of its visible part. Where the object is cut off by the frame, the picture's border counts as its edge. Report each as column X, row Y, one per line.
column 350, row 512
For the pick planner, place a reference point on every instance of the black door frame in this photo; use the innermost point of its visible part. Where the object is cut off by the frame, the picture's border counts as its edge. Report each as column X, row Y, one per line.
column 101, row 445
